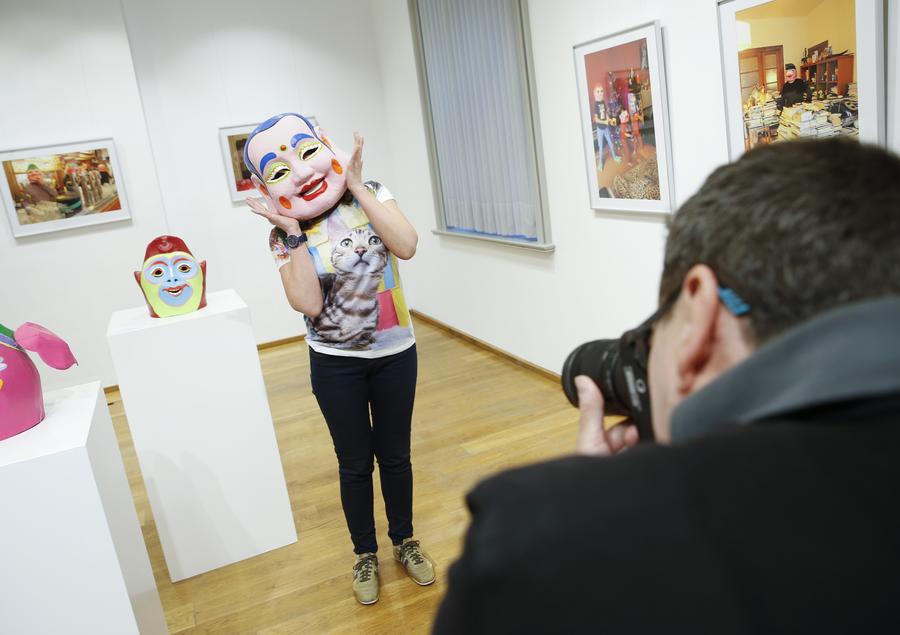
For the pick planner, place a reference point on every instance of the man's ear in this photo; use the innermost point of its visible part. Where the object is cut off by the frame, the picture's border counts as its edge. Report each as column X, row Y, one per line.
column 699, row 300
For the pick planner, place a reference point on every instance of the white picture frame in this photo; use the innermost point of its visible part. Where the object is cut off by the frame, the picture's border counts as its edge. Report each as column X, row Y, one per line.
column 605, row 195
column 232, row 155
column 869, row 75
column 86, row 176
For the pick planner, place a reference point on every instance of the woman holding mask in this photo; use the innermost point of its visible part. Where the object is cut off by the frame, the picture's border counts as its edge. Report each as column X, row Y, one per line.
column 336, row 240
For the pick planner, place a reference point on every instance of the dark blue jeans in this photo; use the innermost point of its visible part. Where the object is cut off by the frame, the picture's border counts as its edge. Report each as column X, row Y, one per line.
column 346, row 388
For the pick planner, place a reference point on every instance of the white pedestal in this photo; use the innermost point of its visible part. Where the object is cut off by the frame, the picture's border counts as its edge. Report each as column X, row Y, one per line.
column 72, row 558
column 196, row 404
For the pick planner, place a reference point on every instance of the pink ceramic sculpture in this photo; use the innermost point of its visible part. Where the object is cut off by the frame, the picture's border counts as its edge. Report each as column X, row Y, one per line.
column 21, row 399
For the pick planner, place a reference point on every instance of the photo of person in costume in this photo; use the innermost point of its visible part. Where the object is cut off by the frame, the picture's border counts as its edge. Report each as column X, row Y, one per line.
column 337, row 240
column 621, row 105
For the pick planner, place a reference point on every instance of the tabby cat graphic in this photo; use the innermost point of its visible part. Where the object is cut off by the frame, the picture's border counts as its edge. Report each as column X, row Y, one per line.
column 350, row 312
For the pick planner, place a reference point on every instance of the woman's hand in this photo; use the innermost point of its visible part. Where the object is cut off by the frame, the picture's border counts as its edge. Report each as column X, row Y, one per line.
column 354, row 168
column 287, row 224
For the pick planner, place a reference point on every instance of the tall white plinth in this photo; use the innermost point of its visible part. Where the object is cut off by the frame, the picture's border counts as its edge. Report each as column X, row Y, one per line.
column 72, row 557
column 196, row 404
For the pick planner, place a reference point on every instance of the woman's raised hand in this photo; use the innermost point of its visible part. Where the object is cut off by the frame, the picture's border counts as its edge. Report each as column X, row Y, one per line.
column 285, row 223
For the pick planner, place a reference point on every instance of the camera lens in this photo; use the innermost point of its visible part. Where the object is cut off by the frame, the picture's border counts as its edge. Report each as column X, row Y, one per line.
column 600, row 361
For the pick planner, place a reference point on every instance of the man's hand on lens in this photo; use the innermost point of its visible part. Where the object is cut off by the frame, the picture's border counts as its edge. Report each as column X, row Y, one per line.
column 593, row 440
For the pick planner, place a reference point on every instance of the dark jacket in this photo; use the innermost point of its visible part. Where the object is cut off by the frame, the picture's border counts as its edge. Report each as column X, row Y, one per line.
column 795, row 92
column 775, row 510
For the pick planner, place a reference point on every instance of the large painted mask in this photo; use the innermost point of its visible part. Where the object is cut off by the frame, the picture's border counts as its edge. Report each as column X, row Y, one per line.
column 172, row 280
column 21, row 399
column 295, row 166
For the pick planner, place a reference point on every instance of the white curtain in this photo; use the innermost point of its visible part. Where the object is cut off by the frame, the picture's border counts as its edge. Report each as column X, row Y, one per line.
column 483, row 134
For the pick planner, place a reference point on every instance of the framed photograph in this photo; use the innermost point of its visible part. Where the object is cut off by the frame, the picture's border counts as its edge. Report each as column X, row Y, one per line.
column 624, row 121
column 58, row 187
column 795, row 69
column 232, row 140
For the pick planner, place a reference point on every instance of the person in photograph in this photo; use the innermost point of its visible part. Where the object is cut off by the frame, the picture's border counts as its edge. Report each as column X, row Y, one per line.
column 37, row 188
column 637, row 118
column 603, row 122
column 103, row 169
column 795, row 89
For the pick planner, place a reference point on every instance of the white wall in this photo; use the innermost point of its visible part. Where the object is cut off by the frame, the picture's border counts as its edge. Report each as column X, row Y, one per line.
column 67, row 76
column 207, row 64
column 76, row 71
column 603, row 276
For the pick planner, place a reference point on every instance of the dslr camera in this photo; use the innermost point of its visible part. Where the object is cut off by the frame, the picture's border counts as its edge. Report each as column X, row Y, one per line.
column 619, row 368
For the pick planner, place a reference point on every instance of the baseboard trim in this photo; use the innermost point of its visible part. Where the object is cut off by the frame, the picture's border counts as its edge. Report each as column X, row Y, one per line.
column 518, row 361
column 286, row 340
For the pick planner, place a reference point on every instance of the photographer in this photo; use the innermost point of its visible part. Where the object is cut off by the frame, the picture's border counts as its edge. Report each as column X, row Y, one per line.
column 770, row 501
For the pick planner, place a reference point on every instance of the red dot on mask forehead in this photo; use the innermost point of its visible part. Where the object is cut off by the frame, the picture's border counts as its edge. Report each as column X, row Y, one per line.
column 283, row 148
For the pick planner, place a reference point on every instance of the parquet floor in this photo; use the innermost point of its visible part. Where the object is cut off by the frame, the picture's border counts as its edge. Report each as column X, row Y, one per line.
column 476, row 413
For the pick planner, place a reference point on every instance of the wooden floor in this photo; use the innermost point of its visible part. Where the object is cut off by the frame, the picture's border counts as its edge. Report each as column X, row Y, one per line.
column 476, row 413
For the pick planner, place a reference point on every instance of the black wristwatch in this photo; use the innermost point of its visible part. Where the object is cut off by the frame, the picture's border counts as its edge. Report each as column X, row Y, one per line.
column 293, row 241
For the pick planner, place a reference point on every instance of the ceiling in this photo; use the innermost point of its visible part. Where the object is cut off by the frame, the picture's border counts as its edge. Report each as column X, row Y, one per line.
column 780, row 9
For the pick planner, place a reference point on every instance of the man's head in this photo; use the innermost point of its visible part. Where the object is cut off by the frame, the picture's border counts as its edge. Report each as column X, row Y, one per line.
column 790, row 73
column 598, row 93
column 34, row 174
column 794, row 229
column 295, row 166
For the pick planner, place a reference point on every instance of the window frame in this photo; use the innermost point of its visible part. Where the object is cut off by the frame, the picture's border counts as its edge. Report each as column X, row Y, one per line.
column 526, row 69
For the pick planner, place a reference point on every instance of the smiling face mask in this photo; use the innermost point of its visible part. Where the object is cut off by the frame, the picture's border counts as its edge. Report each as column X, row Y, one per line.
column 296, row 167
column 172, row 280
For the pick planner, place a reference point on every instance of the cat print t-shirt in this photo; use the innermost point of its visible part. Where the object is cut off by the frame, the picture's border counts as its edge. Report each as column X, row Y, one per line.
column 364, row 312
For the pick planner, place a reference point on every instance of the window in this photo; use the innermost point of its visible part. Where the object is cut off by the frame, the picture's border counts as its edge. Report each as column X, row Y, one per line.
column 480, row 113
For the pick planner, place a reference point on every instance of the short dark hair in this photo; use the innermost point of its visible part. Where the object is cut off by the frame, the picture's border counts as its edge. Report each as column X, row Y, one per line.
column 789, row 67
column 795, row 229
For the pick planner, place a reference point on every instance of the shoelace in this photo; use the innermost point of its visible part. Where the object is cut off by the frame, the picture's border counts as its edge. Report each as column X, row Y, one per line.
column 364, row 568
column 410, row 551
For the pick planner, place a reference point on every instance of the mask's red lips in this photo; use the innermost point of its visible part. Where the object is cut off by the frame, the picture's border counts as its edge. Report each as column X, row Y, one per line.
column 175, row 290
column 313, row 189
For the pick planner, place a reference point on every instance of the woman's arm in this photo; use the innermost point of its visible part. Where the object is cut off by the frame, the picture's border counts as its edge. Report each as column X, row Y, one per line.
column 301, row 283
column 298, row 276
column 390, row 224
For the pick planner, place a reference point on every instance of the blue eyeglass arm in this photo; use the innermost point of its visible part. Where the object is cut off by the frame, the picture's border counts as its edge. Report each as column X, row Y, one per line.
column 733, row 302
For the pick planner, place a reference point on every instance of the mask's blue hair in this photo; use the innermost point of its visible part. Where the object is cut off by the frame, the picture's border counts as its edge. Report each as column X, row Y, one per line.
column 268, row 123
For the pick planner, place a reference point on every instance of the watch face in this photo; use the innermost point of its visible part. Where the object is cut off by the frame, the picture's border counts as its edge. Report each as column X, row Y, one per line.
column 295, row 241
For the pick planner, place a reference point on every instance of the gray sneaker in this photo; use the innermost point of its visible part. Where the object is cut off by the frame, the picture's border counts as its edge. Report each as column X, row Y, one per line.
column 365, row 578
column 418, row 565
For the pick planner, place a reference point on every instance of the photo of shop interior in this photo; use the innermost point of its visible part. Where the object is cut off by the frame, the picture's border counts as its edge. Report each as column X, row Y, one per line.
column 798, row 70
column 236, row 145
column 61, row 186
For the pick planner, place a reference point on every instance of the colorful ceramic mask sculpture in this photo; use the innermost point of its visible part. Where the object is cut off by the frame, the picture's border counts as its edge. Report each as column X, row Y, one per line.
column 172, row 280
column 21, row 399
column 295, row 166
